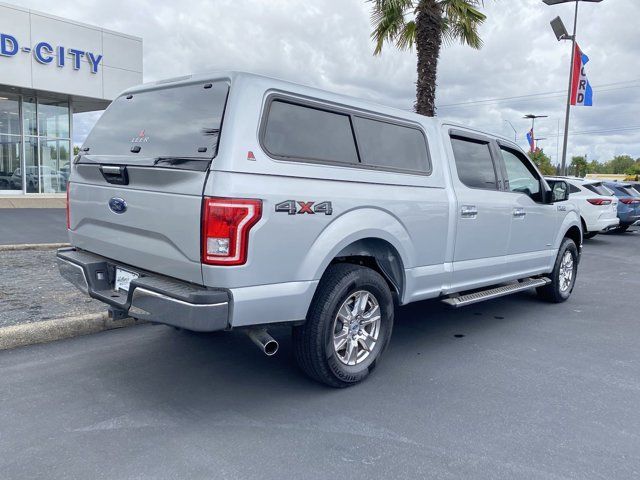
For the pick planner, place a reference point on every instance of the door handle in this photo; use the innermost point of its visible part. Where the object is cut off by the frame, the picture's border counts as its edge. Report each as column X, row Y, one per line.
column 469, row 211
column 519, row 212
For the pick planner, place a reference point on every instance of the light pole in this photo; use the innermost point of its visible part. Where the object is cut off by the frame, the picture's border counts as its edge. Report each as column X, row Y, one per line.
column 533, row 118
column 562, row 34
column 515, row 132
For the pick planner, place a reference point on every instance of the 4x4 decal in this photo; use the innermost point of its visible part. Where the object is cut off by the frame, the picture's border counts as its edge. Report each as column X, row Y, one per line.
column 293, row 207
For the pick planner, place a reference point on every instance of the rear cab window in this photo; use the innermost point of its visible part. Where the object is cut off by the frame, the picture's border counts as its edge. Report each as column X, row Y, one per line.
column 310, row 133
column 474, row 163
column 175, row 126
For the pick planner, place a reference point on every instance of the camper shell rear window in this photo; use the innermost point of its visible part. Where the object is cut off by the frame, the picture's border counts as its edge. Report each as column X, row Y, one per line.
column 177, row 122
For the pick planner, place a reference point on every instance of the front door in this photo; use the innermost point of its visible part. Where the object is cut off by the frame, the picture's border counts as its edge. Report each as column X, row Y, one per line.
column 534, row 223
column 483, row 213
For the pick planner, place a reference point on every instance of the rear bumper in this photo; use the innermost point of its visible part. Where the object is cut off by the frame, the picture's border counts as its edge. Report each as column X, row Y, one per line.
column 626, row 220
column 603, row 224
column 150, row 297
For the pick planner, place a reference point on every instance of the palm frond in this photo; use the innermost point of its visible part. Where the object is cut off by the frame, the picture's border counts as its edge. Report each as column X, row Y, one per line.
column 461, row 20
column 390, row 24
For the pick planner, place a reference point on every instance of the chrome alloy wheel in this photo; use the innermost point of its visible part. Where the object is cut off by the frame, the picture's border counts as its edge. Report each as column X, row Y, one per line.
column 566, row 272
column 356, row 327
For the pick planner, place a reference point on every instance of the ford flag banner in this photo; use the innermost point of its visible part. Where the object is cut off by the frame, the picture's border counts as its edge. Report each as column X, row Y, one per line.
column 532, row 141
column 581, row 92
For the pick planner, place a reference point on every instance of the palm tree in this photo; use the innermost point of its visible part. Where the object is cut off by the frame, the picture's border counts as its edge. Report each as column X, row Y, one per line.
column 426, row 23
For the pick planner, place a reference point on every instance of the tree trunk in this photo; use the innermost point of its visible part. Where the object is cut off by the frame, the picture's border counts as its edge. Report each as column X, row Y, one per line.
column 428, row 43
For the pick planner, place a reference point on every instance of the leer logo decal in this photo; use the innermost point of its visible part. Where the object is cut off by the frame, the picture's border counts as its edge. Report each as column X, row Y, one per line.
column 141, row 138
column 293, row 207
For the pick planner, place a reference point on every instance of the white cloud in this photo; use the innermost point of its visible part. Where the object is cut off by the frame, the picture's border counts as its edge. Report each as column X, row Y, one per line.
column 325, row 43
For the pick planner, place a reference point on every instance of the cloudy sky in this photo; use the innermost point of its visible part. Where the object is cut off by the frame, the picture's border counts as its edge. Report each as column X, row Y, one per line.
column 325, row 43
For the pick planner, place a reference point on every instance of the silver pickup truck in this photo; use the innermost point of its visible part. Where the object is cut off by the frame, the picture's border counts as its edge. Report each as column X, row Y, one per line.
column 235, row 201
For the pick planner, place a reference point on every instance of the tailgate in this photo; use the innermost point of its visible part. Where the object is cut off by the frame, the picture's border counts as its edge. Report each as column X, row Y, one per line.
column 136, row 188
column 159, row 230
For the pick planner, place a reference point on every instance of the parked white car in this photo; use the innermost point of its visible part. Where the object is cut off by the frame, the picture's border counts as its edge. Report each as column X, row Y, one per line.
column 598, row 206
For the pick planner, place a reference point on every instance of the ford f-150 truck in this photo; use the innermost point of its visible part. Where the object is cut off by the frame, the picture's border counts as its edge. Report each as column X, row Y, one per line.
column 235, row 201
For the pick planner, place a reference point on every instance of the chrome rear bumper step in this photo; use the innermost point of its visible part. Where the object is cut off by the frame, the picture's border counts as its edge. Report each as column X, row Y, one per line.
column 468, row 299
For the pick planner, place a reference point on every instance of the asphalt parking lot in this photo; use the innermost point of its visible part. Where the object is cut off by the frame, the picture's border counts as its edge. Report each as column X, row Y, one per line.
column 512, row 388
column 32, row 225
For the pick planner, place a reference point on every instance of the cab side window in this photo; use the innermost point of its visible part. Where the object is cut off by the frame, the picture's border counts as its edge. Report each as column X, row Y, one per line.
column 474, row 163
column 520, row 174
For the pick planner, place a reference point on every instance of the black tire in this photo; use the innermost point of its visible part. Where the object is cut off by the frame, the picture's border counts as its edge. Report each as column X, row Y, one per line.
column 313, row 341
column 589, row 235
column 554, row 292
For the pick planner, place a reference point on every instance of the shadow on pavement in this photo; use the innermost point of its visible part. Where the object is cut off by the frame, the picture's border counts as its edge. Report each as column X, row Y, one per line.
column 206, row 372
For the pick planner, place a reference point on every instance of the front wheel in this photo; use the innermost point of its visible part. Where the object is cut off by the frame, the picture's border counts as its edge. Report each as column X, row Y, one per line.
column 348, row 326
column 563, row 276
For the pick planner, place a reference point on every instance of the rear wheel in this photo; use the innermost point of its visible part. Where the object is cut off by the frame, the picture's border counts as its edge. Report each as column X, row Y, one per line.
column 348, row 326
column 563, row 276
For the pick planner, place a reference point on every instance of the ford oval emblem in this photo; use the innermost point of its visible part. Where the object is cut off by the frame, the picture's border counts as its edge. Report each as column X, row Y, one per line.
column 117, row 205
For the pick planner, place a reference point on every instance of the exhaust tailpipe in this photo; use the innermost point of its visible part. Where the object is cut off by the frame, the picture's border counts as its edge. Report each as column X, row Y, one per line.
column 264, row 341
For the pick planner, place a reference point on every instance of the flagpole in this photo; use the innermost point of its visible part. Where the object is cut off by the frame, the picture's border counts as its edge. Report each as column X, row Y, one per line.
column 563, row 168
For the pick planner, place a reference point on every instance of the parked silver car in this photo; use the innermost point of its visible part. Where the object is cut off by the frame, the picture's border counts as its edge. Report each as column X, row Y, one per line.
column 232, row 200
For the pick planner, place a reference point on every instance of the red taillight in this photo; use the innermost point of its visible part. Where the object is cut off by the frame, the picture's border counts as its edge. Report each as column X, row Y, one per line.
column 599, row 201
column 629, row 201
column 68, row 215
column 225, row 229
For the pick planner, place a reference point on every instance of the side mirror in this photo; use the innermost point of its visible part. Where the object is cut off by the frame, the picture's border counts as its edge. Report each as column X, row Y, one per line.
column 559, row 191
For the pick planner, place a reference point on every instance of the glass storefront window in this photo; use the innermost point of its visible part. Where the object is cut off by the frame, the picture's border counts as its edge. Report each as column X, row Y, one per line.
column 31, row 164
column 10, row 149
column 9, row 114
column 29, row 119
column 54, row 156
column 53, row 118
column 35, row 144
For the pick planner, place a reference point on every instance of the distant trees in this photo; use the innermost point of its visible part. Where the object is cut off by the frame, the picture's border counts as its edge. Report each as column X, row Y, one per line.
column 618, row 165
column 579, row 166
column 542, row 161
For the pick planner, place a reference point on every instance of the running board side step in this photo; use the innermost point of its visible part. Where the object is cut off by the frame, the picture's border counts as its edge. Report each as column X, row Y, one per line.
column 468, row 299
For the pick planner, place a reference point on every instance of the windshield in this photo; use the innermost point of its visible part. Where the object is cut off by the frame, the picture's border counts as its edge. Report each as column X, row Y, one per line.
column 181, row 121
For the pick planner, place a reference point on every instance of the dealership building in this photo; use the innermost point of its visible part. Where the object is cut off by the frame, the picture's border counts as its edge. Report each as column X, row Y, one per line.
column 51, row 68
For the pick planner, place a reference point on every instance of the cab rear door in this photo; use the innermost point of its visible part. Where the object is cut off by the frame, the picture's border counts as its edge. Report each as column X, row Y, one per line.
column 483, row 212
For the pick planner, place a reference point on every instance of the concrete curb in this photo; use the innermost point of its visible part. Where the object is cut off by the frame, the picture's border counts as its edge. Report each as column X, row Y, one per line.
column 32, row 246
column 38, row 200
column 57, row 329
